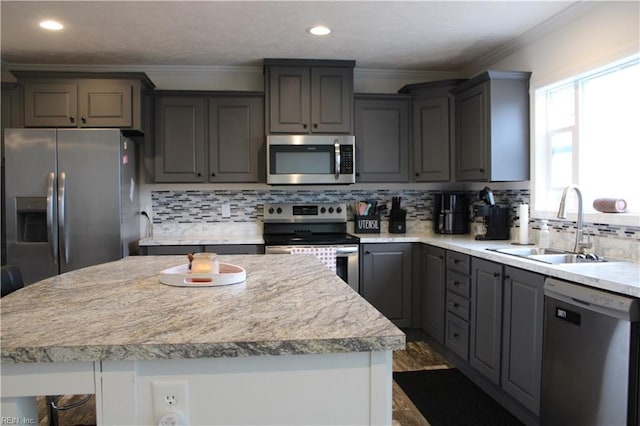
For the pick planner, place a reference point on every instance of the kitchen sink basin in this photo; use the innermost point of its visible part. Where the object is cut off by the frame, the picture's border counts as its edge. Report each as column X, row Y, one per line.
column 553, row 256
column 528, row 251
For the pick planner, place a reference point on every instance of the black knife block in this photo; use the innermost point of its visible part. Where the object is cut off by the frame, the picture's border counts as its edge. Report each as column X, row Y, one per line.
column 398, row 221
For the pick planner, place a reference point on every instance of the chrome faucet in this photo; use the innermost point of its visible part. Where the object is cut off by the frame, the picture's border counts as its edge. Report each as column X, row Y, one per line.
column 580, row 244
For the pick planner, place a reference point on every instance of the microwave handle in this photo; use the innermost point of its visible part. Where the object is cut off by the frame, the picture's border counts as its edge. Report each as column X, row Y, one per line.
column 336, row 146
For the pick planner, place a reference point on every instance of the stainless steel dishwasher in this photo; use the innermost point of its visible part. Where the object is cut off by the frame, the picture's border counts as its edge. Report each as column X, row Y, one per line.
column 590, row 361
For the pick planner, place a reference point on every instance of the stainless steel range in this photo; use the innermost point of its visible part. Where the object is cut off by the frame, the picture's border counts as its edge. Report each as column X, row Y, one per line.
column 292, row 227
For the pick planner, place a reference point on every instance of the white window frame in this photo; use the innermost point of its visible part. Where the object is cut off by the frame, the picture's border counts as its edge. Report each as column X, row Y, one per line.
column 540, row 153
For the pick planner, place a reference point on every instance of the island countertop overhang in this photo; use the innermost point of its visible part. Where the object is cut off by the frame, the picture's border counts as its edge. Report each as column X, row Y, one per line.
column 120, row 311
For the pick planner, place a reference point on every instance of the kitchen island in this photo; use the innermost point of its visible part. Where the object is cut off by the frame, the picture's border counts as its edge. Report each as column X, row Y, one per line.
column 293, row 344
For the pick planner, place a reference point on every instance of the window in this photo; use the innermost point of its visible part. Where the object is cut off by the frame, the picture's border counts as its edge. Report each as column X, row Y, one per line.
column 587, row 132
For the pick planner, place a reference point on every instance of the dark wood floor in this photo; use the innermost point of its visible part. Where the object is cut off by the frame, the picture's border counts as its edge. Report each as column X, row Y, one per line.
column 417, row 356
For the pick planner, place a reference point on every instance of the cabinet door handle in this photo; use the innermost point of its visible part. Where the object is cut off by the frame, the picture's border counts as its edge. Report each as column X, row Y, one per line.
column 199, row 174
column 304, row 125
column 507, row 277
column 456, row 335
column 315, row 125
column 456, row 283
column 496, row 274
column 481, row 170
column 213, row 174
column 417, row 174
column 456, row 261
column 84, row 119
column 72, row 119
column 367, row 252
column 456, row 305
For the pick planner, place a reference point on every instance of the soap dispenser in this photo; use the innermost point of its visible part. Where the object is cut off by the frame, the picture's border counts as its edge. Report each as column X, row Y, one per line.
column 544, row 237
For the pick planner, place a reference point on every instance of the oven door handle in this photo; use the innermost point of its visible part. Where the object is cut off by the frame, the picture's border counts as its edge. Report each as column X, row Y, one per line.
column 277, row 250
column 336, row 147
column 346, row 250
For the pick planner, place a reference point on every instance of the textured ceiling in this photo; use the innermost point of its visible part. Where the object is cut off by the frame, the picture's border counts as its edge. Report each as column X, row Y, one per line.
column 416, row 35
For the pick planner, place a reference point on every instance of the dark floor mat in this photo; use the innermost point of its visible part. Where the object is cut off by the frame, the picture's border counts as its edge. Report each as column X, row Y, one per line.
column 447, row 398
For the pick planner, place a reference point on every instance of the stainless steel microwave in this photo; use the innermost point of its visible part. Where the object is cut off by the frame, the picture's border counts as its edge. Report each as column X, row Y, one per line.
column 310, row 159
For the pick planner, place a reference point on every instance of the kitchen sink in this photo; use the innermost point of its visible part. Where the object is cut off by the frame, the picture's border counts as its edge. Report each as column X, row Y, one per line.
column 528, row 251
column 553, row 256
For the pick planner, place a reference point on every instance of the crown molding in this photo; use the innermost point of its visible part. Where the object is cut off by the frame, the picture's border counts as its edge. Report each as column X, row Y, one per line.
column 567, row 15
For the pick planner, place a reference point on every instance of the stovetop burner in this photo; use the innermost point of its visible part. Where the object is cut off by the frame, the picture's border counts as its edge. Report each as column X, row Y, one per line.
column 306, row 224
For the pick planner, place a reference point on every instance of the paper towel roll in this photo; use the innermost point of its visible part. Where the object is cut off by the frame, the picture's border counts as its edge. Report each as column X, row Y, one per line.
column 610, row 205
column 524, row 223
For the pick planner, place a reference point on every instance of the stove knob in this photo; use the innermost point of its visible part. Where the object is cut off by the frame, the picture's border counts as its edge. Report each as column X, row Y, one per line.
column 279, row 210
column 330, row 209
column 338, row 209
column 323, row 210
column 271, row 210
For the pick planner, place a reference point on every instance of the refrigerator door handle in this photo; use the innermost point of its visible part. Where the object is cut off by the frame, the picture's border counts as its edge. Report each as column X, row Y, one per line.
column 62, row 228
column 51, row 235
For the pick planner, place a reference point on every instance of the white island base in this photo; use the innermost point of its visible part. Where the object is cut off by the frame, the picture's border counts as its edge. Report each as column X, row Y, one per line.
column 351, row 388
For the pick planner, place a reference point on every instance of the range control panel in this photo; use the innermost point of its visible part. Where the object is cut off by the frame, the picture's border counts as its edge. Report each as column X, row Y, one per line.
column 300, row 213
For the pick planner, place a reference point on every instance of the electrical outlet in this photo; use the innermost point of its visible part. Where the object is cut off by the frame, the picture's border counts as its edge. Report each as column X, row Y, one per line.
column 170, row 398
column 226, row 210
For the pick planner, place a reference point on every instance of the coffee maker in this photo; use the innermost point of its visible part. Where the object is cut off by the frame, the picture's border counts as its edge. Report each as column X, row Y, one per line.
column 451, row 213
column 495, row 218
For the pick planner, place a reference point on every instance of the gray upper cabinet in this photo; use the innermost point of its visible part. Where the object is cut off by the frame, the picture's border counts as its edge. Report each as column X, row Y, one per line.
column 433, row 108
column 522, row 336
column 492, row 127
column 180, row 147
column 209, row 137
column 486, row 318
column 309, row 96
column 73, row 100
column 236, row 138
column 382, row 138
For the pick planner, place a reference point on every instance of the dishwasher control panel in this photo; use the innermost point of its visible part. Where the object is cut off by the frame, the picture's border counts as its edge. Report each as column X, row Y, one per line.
column 592, row 299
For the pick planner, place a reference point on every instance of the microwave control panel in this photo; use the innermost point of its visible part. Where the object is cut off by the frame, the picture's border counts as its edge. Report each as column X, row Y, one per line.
column 346, row 159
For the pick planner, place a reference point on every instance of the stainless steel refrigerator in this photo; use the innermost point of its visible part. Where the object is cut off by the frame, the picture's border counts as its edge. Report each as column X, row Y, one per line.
column 71, row 199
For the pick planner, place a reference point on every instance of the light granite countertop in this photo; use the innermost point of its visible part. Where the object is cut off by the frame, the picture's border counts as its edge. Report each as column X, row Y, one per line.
column 121, row 311
column 617, row 277
column 622, row 278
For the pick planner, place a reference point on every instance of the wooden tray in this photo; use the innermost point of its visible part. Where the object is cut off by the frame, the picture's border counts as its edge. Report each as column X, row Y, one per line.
column 181, row 276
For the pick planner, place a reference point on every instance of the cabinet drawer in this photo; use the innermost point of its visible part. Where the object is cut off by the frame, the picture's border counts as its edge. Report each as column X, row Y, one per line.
column 460, row 284
column 458, row 305
column 457, row 336
column 458, row 262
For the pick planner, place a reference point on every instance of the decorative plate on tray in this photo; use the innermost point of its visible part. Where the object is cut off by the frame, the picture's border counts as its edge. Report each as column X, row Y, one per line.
column 181, row 276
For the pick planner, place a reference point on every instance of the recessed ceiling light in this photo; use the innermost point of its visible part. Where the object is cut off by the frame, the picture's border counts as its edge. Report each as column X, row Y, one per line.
column 320, row 30
column 51, row 25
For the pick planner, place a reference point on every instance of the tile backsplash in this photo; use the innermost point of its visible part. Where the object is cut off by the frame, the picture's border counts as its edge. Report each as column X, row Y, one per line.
column 192, row 206
column 181, row 207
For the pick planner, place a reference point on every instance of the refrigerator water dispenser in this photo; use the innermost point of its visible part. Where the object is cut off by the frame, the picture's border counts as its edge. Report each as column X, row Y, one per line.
column 31, row 215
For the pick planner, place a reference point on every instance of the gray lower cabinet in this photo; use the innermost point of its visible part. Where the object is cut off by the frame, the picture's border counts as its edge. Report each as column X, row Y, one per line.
column 486, row 318
column 522, row 336
column 382, row 138
column 386, row 280
column 209, row 137
column 433, row 291
column 217, row 248
column 458, row 293
column 492, row 127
